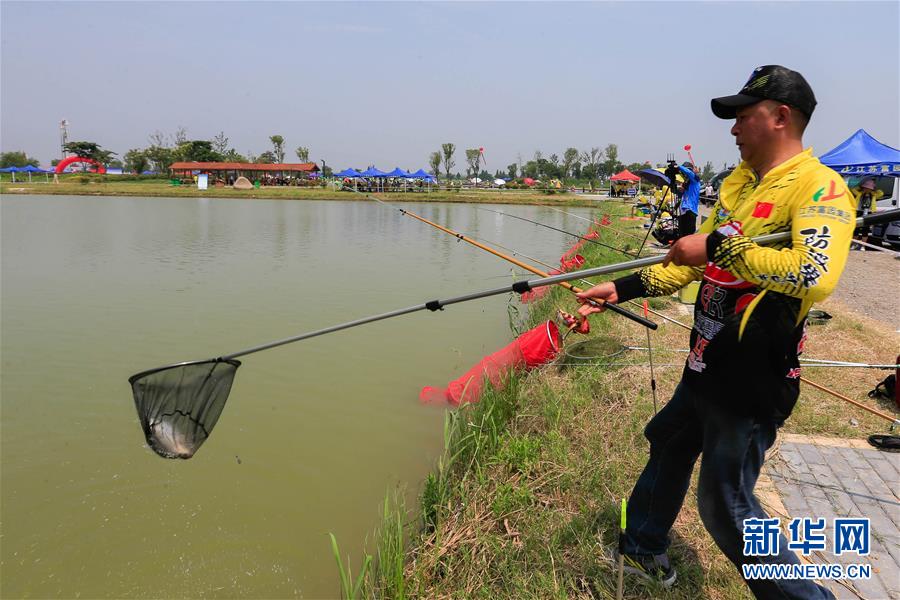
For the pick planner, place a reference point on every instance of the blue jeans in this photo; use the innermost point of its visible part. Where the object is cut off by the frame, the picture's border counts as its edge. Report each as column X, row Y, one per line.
column 733, row 448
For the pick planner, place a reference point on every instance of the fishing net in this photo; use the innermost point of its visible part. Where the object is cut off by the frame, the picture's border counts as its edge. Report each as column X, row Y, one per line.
column 594, row 351
column 532, row 349
column 178, row 406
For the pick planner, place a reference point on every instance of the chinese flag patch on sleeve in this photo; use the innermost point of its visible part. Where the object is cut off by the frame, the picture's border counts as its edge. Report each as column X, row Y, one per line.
column 763, row 210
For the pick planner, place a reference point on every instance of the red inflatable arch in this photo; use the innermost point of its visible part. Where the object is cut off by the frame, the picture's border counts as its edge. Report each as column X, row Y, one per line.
column 98, row 168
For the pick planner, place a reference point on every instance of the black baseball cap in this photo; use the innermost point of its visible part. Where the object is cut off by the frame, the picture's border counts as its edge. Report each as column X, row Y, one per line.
column 769, row 82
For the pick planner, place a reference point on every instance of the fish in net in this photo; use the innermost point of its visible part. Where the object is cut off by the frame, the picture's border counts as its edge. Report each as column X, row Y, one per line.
column 178, row 405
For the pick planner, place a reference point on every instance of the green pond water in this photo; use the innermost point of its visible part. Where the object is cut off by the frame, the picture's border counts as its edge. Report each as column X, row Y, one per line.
column 314, row 433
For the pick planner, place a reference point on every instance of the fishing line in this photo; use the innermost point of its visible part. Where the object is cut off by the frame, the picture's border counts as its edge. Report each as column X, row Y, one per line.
column 595, row 222
column 650, row 357
column 539, row 224
column 564, row 283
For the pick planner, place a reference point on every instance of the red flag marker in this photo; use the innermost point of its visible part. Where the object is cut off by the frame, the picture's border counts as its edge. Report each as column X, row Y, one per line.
column 687, row 148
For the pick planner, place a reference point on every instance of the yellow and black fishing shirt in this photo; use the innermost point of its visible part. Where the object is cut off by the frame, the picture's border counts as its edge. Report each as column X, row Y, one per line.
column 749, row 318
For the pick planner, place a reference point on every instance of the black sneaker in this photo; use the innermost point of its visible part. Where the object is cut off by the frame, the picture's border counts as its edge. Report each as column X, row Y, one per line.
column 650, row 567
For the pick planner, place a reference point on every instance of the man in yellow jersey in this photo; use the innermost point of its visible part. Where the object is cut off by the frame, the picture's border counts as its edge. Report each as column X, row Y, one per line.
column 741, row 377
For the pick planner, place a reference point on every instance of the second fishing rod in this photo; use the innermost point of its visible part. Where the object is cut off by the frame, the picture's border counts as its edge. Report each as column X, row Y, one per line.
column 613, row 307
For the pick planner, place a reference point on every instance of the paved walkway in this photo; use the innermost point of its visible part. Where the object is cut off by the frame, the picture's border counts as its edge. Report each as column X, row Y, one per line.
column 828, row 477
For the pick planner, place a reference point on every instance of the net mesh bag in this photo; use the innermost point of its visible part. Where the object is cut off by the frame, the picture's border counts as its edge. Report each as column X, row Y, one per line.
column 178, row 406
column 532, row 349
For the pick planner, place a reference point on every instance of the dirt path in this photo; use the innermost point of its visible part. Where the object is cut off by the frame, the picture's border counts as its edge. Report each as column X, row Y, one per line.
column 870, row 286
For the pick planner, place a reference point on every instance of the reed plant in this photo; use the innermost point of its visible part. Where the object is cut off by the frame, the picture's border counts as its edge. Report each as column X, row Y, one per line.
column 388, row 577
column 351, row 589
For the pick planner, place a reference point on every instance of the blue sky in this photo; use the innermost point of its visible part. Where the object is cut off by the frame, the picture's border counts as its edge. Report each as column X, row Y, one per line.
column 387, row 83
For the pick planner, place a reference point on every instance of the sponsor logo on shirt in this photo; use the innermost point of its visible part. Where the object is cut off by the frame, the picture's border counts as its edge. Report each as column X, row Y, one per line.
column 831, row 195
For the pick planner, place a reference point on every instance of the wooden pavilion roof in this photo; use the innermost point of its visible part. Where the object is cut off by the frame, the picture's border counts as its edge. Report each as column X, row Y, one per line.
column 235, row 166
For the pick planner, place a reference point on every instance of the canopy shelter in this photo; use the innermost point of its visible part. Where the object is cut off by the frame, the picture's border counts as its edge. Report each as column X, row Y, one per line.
column 624, row 176
column 33, row 169
column 401, row 174
column 250, row 170
column 12, row 171
column 620, row 183
column 422, row 174
column 26, row 169
column 380, row 176
column 374, row 172
column 861, row 154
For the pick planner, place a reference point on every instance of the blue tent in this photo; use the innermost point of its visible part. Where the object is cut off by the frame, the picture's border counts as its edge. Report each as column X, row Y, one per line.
column 373, row 172
column 12, row 170
column 348, row 173
column 26, row 169
column 423, row 174
column 861, row 154
column 398, row 172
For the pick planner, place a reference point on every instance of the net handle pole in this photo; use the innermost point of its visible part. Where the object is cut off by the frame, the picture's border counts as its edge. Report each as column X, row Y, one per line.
column 433, row 305
column 524, row 286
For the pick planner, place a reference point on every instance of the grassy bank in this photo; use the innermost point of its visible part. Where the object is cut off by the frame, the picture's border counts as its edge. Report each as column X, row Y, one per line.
column 72, row 187
column 524, row 501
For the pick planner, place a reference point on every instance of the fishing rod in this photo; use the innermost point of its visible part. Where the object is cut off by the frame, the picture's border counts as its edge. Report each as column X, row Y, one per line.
column 179, row 404
column 587, row 239
column 616, row 309
column 584, row 281
column 804, row 362
column 842, row 363
column 893, row 421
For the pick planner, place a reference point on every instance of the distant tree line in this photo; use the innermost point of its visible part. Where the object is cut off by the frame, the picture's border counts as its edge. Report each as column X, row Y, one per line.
column 587, row 167
column 17, row 159
column 163, row 150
